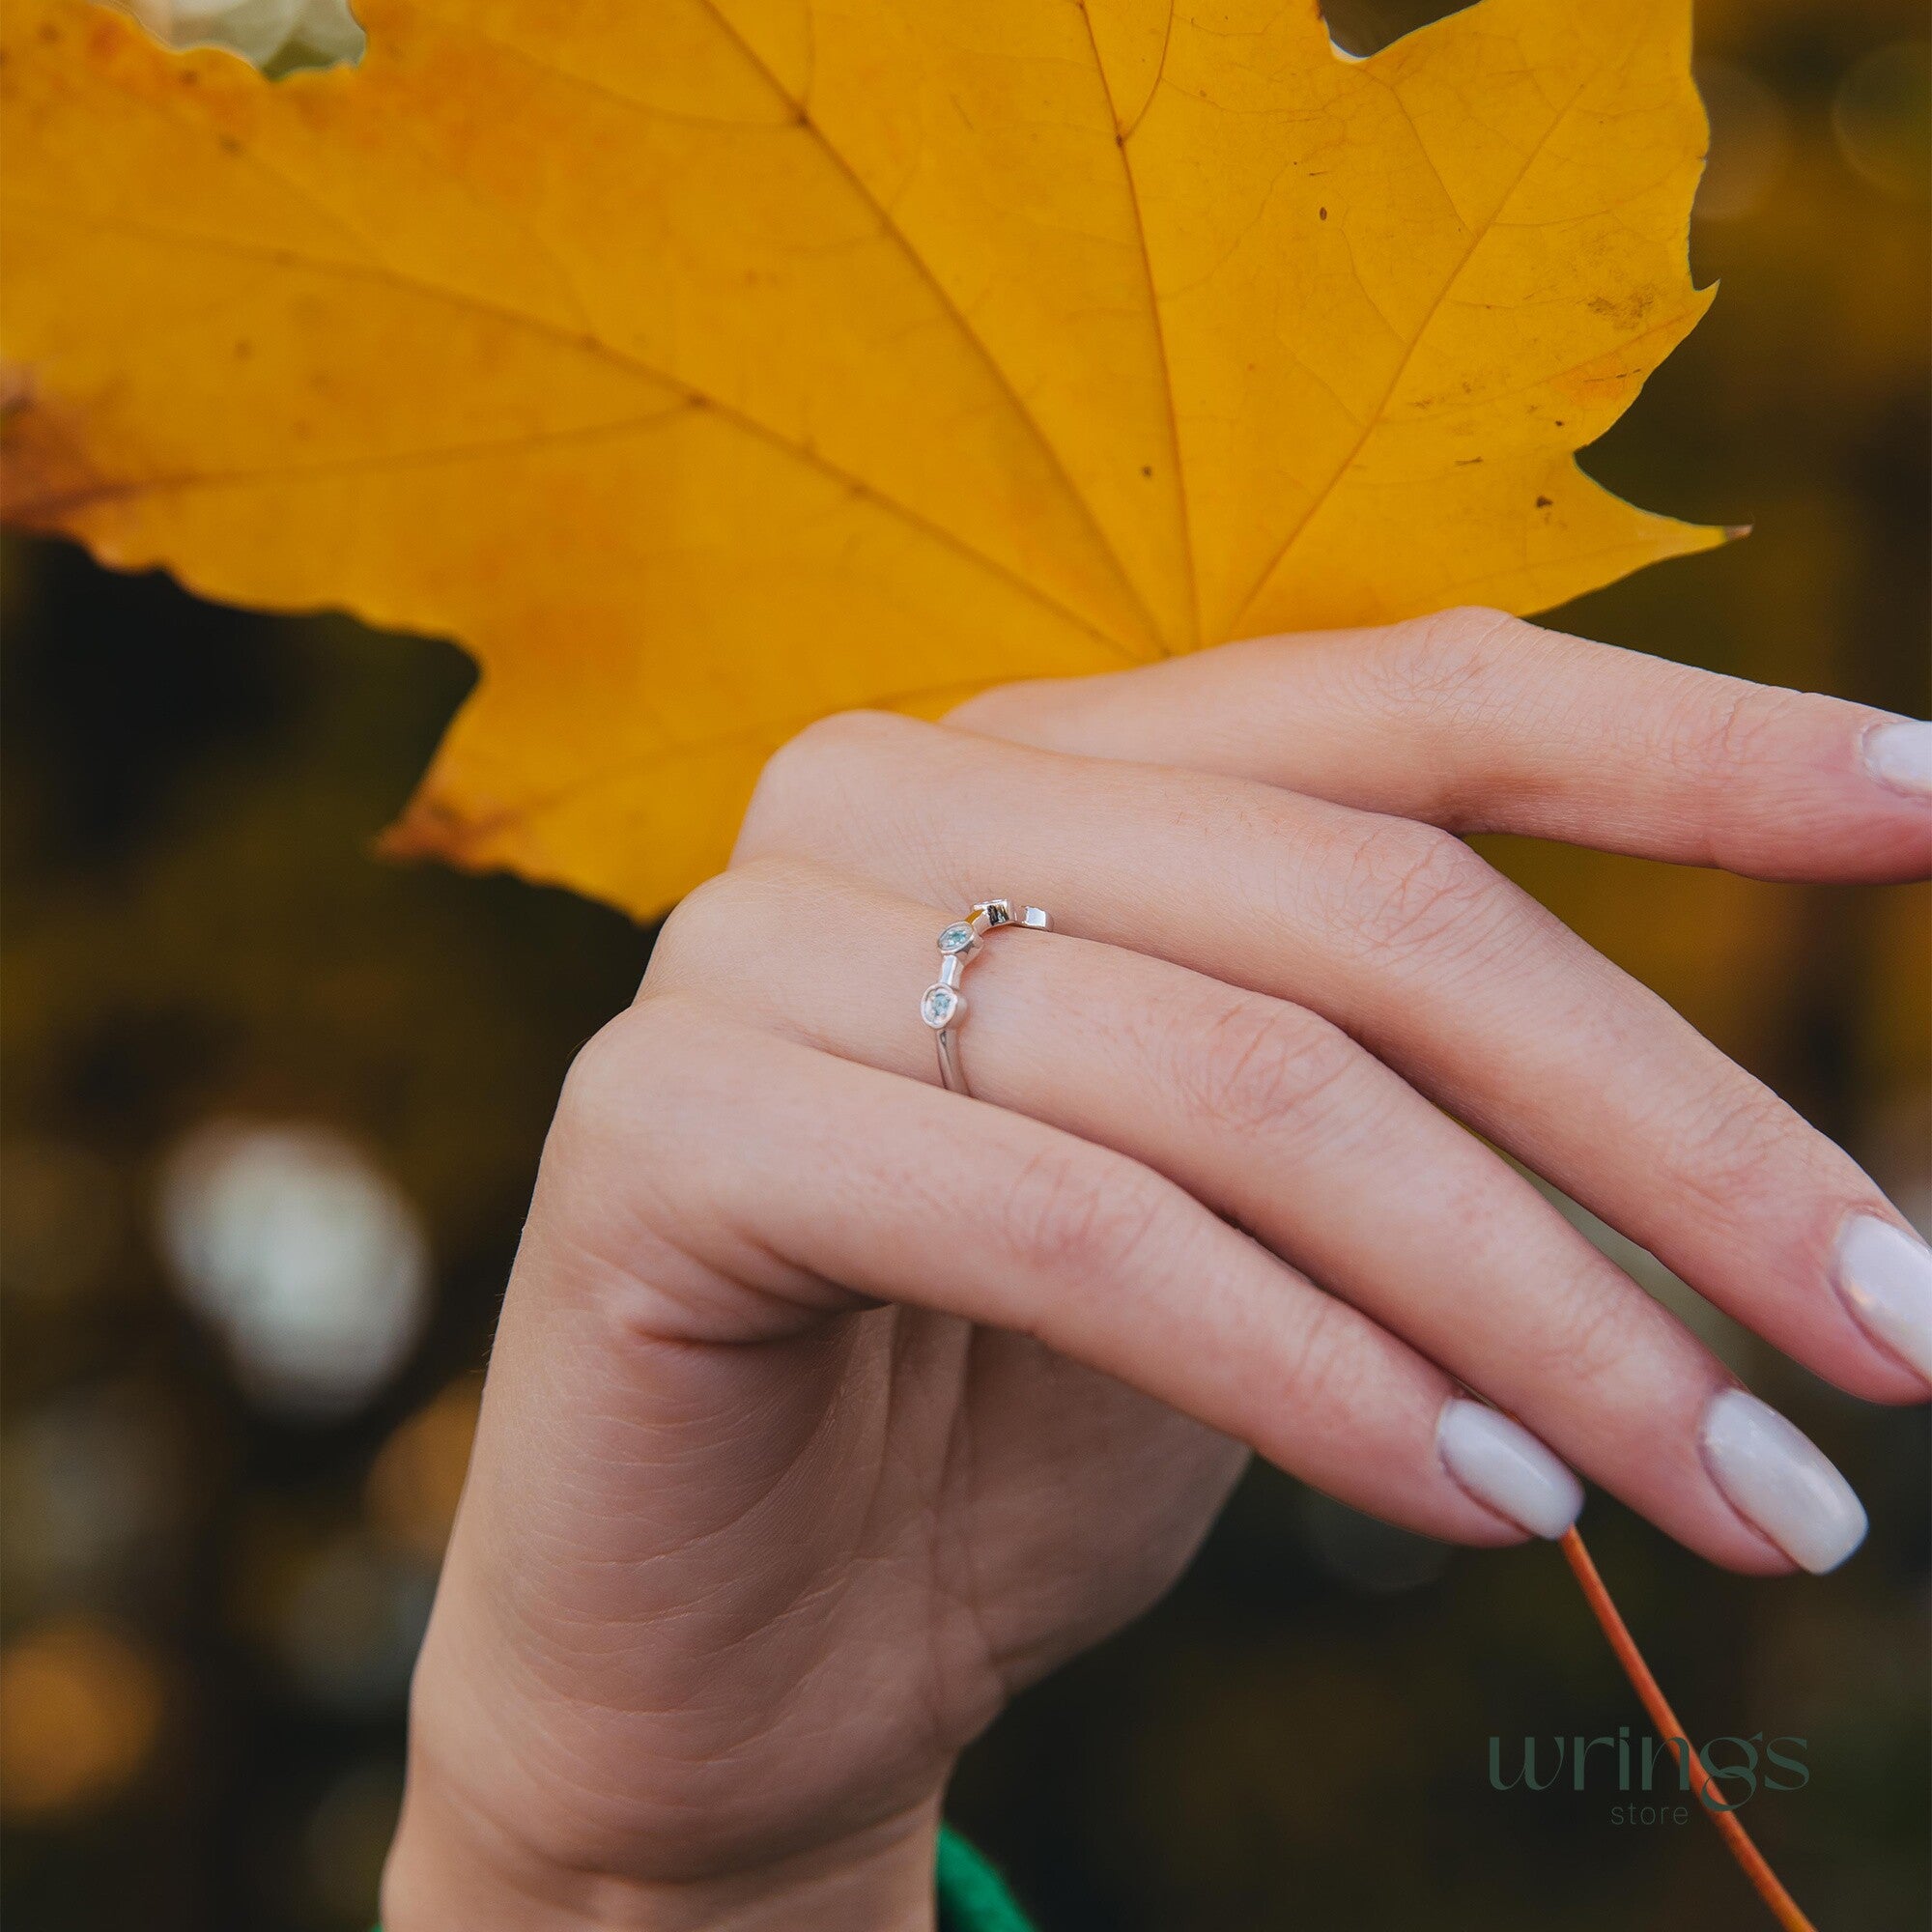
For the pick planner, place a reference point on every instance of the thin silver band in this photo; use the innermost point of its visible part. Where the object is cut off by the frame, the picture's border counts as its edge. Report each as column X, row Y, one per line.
column 943, row 1006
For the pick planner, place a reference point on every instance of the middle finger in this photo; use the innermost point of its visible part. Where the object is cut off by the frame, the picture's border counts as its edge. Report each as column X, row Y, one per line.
column 1401, row 935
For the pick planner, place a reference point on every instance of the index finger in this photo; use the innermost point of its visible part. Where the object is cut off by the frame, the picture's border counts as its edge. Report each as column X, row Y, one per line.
column 1478, row 722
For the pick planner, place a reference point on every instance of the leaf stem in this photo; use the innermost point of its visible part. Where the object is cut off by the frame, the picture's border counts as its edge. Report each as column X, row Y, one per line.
column 1783, row 1907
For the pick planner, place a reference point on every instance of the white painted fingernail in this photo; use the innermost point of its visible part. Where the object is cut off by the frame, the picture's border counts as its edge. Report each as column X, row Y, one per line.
column 1506, row 1468
column 1885, row 1274
column 1900, row 755
column 1780, row 1482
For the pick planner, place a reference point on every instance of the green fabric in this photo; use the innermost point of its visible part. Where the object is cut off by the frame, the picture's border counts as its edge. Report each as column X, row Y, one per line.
column 973, row 1897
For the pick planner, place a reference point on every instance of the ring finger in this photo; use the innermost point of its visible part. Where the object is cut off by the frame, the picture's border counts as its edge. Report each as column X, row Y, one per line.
column 1278, row 1120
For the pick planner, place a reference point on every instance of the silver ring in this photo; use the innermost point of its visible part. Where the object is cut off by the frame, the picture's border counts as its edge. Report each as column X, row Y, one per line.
column 943, row 1006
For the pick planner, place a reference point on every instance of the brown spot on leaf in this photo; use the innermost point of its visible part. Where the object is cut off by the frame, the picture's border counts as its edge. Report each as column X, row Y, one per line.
column 47, row 473
column 1626, row 311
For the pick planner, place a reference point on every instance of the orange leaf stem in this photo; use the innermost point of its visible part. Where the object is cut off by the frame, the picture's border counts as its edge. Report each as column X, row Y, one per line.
column 1784, row 1908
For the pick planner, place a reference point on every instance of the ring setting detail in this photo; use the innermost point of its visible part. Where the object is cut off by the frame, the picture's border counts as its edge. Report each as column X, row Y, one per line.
column 943, row 1006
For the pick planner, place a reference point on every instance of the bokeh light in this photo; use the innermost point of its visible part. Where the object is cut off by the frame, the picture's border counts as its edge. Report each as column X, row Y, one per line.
column 415, row 1482
column 306, row 1259
column 1881, row 114
column 91, row 1488
column 80, row 1710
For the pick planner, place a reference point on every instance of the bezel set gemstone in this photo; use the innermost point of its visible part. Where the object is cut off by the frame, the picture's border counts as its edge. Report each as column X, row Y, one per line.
column 940, row 1006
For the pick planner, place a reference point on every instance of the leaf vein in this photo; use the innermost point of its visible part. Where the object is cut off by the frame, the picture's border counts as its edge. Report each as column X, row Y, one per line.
column 890, row 223
column 1479, row 234
column 598, row 347
column 1155, row 316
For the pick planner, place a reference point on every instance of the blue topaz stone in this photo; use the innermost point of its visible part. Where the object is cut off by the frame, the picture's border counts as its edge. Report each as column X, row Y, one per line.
column 940, row 1006
column 956, row 938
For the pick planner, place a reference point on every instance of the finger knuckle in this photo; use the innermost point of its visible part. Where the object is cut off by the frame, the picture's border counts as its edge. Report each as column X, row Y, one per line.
column 1003, row 709
column 1586, row 1330
column 606, row 1083
column 641, row 1106
column 814, row 772
column 1323, row 1362
column 695, row 928
column 1408, row 889
column 1254, row 1064
column 1071, row 1213
column 1715, row 737
column 1455, row 657
column 1733, row 1144
column 716, row 919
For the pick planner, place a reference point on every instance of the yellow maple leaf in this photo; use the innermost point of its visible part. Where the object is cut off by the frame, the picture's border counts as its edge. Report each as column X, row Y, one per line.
column 708, row 366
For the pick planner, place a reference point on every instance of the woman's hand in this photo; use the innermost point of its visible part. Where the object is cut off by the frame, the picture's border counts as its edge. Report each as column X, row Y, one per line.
column 829, row 1408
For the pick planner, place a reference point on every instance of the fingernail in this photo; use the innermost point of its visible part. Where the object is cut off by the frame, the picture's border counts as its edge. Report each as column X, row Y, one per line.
column 1900, row 755
column 1884, row 1275
column 1779, row 1481
column 1506, row 1468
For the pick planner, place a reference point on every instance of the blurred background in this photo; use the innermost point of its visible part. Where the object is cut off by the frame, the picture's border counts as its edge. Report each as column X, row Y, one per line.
column 272, row 1111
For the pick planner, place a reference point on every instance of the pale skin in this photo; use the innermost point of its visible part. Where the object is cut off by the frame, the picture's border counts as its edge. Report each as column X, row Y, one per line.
column 829, row 1408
